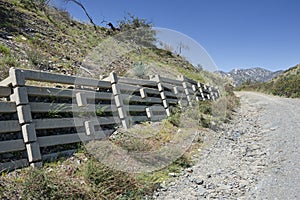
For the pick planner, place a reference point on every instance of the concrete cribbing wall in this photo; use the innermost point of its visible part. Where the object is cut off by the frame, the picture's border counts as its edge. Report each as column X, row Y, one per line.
column 45, row 115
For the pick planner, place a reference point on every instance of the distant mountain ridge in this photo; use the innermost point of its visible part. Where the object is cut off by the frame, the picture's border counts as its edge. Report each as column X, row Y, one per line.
column 253, row 75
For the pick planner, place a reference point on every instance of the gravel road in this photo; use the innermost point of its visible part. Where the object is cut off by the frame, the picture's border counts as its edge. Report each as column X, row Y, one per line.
column 256, row 156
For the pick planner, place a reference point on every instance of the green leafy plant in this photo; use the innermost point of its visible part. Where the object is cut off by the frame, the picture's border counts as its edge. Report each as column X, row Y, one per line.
column 140, row 70
column 4, row 50
column 7, row 62
column 57, row 109
column 112, row 184
column 175, row 116
column 37, row 59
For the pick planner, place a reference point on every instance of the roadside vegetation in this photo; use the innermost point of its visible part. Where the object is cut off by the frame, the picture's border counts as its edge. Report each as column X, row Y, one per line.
column 82, row 176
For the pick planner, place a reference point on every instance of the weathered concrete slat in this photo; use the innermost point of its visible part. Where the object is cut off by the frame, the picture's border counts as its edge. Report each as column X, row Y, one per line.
column 139, row 118
column 60, row 139
column 9, row 126
column 58, row 78
column 174, row 101
column 151, row 91
column 8, row 166
column 129, row 88
column 70, row 138
column 53, row 123
column 158, row 117
column 7, row 107
column 178, row 89
column 153, row 100
column 46, row 91
column 12, row 145
column 135, row 108
column 69, row 93
column 54, row 156
column 108, row 120
column 140, row 82
column 140, row 99
column 168, row 86
column 39, row 107
column 170, row 94
column 170, row 81
column 70, row 122
column 5, row 91
column 157, row 109
column 181, row 96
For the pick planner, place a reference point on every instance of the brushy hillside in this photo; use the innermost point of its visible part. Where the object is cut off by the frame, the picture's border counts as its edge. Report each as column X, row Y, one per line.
column 38, row 36
column 45, row 39
column 287, row 84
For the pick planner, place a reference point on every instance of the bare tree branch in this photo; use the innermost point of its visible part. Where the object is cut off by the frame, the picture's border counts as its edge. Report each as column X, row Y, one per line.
column 103, row 20
column 85, row 11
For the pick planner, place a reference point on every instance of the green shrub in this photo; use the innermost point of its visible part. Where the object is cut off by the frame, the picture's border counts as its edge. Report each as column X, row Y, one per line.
column 37, row 59
column 7, row 62
column 42, row 185
column 175, row 116
column 205, row 107
column 140, row 70
column 112, row 184
column 4, row 50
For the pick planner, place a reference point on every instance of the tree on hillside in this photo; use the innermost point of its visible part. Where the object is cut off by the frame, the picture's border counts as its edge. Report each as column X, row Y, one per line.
column 137, row 30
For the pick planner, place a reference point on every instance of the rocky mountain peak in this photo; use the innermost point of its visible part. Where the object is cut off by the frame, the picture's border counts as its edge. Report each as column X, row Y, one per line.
column 257, row 74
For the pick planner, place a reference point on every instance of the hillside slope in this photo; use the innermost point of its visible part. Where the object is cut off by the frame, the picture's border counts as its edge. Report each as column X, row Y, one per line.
column 49, row 39
column 45, row 39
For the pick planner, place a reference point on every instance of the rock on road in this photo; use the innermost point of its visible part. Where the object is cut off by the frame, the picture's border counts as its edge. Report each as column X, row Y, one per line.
column 256, row 156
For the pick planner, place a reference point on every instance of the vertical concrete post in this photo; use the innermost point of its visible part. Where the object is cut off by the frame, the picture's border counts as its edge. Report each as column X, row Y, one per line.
column 88, row 124
column 143, row 93
column 200, row 89
column 20, row 97
column 211, row 92
column 218, row 92
column 149, row 113
column 160, row 87
column 186, row 89
column 195, row 90
column 206, row 87
column 119, row 100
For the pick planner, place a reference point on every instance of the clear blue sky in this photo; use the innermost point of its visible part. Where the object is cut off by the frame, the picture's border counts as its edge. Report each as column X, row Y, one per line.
column 236, row 33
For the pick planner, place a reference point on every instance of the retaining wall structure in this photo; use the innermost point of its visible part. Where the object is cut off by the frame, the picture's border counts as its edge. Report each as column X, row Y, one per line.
column 45, row 115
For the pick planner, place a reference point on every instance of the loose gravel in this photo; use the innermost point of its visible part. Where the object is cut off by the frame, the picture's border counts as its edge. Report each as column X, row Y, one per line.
column 256, row 156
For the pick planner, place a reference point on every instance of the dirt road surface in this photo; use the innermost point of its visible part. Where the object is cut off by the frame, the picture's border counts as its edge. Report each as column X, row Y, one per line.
column 256, row 156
